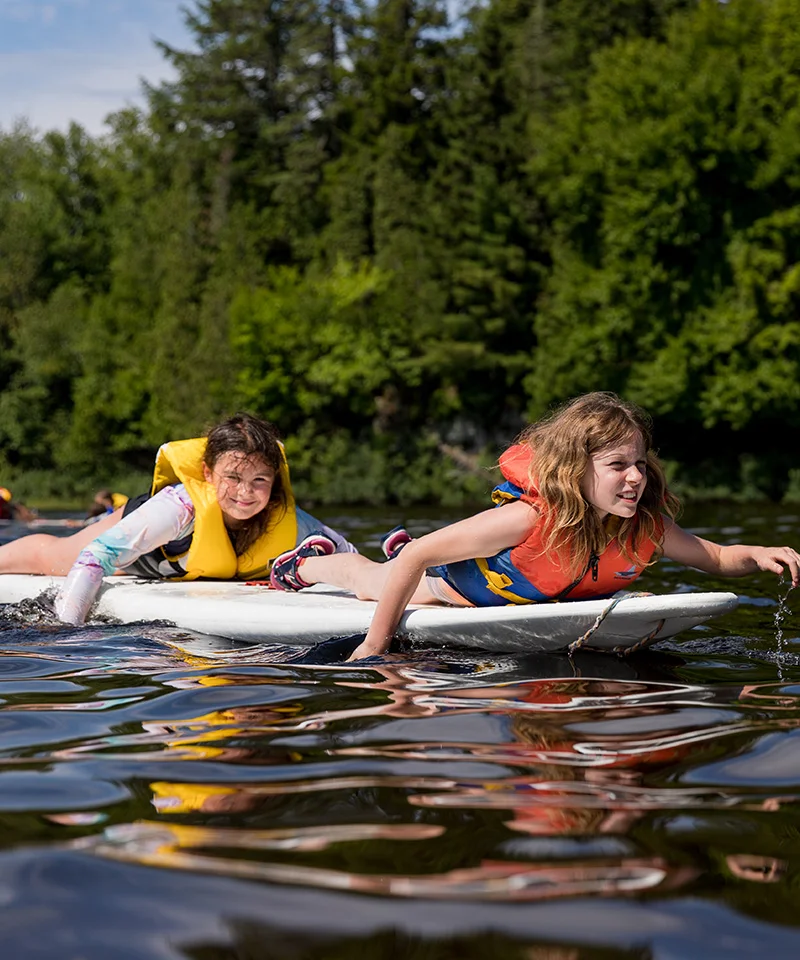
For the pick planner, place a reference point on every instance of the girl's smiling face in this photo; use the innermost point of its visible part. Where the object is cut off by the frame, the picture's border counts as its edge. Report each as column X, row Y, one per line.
column 616, row 477
column 243, row 485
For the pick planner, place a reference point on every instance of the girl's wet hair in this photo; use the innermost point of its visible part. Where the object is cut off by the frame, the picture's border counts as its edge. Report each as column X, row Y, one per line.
column 255, row 439
column 563, row 445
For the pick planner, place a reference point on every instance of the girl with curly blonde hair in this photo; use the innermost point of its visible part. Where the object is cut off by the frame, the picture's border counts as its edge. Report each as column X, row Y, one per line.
column 585, row 509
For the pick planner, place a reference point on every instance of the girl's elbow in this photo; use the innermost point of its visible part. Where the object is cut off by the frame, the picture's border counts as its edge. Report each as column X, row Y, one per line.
column 414, row 558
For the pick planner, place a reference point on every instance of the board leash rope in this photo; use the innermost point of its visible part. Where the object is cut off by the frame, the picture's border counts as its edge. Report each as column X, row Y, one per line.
column 621, row 651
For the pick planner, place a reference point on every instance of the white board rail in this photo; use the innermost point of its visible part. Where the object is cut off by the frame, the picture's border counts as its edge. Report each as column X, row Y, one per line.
column 261, row 615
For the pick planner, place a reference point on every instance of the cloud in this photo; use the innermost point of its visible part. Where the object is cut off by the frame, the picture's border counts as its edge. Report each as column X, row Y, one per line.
column 52, row 88
column 36, row 9
column 25, row 12
column 88, row 60
column 12, row 10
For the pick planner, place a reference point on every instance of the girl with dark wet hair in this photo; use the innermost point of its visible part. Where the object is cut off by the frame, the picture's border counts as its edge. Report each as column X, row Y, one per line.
column 220, row 507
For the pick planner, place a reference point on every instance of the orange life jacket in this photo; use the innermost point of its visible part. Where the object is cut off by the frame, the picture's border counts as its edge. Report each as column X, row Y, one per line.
column 526, row 573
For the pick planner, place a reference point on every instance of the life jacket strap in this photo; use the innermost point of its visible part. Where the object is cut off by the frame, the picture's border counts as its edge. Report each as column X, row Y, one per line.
column 498, row 583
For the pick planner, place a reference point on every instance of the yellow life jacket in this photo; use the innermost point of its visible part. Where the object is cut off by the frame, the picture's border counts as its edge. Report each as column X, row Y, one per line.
column 211, row 552
column 118, row 500
column 6, row 512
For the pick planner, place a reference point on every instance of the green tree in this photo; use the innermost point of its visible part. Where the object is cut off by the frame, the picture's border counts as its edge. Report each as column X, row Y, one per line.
column 256, row 100
column 675, row 229
column 53, row 253
column 308, row 346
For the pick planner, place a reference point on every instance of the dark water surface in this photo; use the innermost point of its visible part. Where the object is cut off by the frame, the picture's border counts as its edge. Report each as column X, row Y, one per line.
column 437, row 804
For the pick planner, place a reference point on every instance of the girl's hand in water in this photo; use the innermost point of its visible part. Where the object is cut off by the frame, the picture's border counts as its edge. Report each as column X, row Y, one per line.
column 778, row 560
column 730, row 560
column 367, row 650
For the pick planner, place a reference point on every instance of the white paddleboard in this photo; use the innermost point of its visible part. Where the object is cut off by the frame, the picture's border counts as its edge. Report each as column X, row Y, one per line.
column 261, row 615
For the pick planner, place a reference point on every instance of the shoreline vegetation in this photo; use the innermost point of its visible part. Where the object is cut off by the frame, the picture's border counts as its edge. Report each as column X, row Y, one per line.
column 400, row 237
column 387, row 484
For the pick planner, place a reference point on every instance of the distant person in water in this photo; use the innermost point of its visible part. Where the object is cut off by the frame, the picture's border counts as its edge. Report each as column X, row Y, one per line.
column 11, row 509
column 220, row 507
column 585, row 509
column 105, row 502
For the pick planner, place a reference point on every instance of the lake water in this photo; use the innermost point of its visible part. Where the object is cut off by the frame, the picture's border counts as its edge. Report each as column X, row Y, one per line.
column 441, row 804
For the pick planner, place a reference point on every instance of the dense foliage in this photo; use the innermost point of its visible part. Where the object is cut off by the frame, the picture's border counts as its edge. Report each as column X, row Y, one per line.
column 399, row 237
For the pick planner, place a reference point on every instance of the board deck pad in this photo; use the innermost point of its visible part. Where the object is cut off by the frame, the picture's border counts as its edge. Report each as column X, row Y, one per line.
column 258, row 614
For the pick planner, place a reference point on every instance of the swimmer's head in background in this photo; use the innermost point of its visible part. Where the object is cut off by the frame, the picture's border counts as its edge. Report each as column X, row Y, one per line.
column 103, row 496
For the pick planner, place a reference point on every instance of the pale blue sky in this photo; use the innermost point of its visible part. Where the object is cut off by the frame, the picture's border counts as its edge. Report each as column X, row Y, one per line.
column 63, row 60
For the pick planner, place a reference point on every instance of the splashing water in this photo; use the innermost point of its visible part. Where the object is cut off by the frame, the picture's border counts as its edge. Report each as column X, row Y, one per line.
column 781, row 614
column 783, row 610
column 33, row 611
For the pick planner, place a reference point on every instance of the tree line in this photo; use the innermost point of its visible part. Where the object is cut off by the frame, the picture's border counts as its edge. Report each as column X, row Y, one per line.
column 400, row 230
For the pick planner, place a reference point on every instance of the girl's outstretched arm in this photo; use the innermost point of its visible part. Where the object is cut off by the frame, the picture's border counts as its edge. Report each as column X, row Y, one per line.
column 736, row 560
column 482, row 535
column 162, row 518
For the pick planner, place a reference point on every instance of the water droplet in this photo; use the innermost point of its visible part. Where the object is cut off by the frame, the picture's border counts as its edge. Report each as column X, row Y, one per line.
column 781, row 614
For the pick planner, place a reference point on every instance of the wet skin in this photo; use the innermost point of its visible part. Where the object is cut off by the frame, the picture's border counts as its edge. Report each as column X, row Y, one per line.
column 616, row 478
column 243, row 486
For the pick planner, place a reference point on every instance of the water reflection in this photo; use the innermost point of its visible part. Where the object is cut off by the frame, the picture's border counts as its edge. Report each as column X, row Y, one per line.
column 555, row 759
column 433, row 791
column 748, row 866
column 191, row 848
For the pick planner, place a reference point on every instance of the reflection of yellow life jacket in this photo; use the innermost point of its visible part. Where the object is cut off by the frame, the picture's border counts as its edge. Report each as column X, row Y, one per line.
column 186, row 797
column 211, row 552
